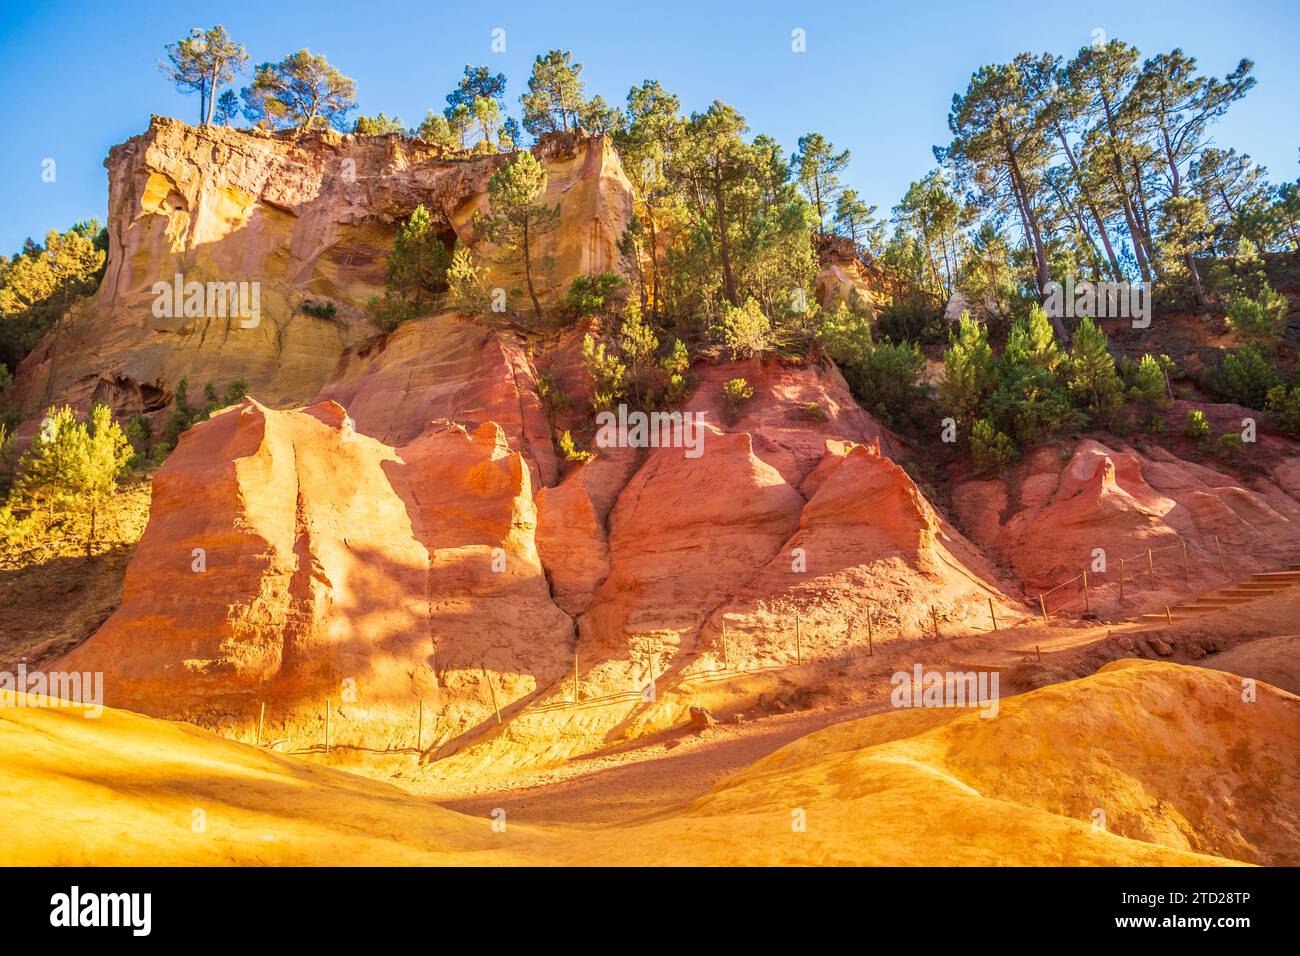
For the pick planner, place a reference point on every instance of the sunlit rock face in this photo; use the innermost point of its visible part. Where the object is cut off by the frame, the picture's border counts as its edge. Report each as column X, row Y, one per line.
column 296, row 221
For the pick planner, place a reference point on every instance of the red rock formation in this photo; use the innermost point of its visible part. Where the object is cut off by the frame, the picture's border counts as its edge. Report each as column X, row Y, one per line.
column 332, row 566
column 1047, row 521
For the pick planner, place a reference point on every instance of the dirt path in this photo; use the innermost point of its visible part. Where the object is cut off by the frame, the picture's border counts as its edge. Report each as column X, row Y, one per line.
column 640, row 782
column 662, row 773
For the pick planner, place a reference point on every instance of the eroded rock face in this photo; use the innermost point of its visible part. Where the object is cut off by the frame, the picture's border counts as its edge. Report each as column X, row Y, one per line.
column 446, row 367
column 290, row 559
column 310, row 218
column 1126, row 503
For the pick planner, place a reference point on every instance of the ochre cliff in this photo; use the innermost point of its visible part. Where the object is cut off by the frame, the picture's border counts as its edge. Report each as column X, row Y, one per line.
column 310, row 217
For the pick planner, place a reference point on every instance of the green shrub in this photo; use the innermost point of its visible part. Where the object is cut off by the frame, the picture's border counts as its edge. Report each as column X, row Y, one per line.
column 845, row 335
column 1196, row 427
column 590, row 295
column 1285, row 404
column 990, row 449
column 319, row 310
column 1245, row 377
column 1229, row 446
column 571, row 452
column 746, row 331
column 608, row 374
column 887, row 380
column 1259, row 319
column 969, row 370
column 737, row 391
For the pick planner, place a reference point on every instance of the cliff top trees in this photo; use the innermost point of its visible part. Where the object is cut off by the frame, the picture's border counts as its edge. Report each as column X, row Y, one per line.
column 201, row 63
column 516, row 219
column 855, row 219
column 819, row 168
column 301, row 90
column 380, row 125
column 555, row 94
column 476, row 108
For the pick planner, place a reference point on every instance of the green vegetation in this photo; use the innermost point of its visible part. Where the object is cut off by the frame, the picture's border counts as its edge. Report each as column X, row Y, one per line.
column 1196, row 427
column 302, row 90
column 1245, row 376
column 66, row 478
column 40, row 282
column 183, row 414
column 516, row 220
column 735, row 392
column 590, row 295
column 569, row 451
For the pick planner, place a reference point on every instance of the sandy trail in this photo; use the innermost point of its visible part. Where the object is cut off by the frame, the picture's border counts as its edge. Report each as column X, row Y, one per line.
column 633, row 784
column 662, row 773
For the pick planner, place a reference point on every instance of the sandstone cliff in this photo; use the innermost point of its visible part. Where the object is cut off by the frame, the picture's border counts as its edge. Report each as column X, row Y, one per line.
column 310, row 217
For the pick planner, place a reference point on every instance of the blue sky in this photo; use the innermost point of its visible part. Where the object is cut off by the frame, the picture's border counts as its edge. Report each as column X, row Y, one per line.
column 876, row 78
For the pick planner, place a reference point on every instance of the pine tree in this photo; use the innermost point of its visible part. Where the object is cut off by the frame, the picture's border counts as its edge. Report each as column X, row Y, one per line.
column 819, row 168
column 554, row 99
column 516, row 220
column 1092, row 372
column 301, row 90
column 969, row 370
column 417, row 266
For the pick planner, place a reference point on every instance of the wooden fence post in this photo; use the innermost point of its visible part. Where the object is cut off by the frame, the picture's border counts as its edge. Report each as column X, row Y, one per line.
column 575, row 677
column 419, row 727
column 726, row 652
column 871, row 630
column 798, row 650
column 1121, row 580
column 1042, row 606
column 934, row 621
column 1218, row 547
column 1169, row 616
column 993, row 614
column 1187, row 571
column 492, row 690
column 1087, row 605
column 327, row 726
column 1151, row 568
column 261, row 716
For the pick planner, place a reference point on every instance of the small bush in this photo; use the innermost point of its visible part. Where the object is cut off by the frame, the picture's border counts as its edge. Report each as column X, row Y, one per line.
column 1196, row 427
column 319, row 310
column 990, row 449
column 1245, row 377
column 571, row 451
column 1285, row 404
column 887, row 380
column 737, row 391
column 1259, row 319
column 590, row 295
column 1229, row 446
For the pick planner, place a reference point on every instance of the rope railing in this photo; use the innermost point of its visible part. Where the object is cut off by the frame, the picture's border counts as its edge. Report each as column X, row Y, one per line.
column 1085, row 596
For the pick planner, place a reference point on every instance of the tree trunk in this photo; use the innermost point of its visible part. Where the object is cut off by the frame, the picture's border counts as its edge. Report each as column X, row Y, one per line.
column 724, row 246
column 528, row 276
column 654, row 270
column 1130, row 215
column 1092, row 207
